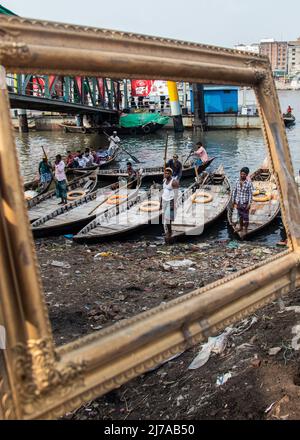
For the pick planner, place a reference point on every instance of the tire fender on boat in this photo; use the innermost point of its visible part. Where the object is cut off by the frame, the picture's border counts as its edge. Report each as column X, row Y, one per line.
column 76, row 194
column 263, row 198
column 146, row 129
column 150, row 206
column 115, row 199
column 201, row 197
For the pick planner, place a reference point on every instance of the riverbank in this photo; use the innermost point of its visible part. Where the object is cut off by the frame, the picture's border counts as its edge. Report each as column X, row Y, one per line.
column 88, row 288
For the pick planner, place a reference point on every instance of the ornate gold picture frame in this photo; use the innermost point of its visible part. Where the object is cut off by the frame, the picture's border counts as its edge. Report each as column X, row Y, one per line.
column 38, row 380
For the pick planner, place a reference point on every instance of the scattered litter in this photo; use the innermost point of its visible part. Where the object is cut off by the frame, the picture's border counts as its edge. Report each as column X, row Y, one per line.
column 202, row 246
column 245, row 346
column 295, row 309
column 270, row 407
column 221, row 380
column 192, row 269
column 60, row 264
column 273, row 351
column 179, row 263
column 102, row 255
column 214, row 345
column 295, row 341
column 233, row 245
column 275, row 408
column 69, row 236
column 178, row 400
column 256, row 362
column 245, row 325
column 98, row 327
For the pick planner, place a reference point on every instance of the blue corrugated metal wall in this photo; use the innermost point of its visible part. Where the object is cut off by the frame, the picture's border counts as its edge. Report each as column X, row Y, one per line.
column 221, row 101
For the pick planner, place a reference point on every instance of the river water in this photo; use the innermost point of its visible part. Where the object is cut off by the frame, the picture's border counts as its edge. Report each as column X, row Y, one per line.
column 232, row 148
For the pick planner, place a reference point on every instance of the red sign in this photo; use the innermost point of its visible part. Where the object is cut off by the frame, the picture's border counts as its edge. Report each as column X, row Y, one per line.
column 141, row 87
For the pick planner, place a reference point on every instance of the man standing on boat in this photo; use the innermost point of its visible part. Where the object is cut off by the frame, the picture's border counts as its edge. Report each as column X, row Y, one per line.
column 45, row 171
column 242, row 199
column 169, row 195
column 114, row 143
column 132, row 176
column 60, row 180
column 176, row 166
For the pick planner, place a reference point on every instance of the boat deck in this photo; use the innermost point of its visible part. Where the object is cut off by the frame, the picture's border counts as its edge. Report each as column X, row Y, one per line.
column 125, row 220
column 190, row 218
column 91, row 208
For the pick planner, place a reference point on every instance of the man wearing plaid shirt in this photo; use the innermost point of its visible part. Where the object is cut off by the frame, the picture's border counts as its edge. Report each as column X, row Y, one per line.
column 242, row 199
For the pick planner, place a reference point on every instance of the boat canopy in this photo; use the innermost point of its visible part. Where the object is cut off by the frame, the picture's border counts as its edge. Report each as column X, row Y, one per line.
column 141, row 119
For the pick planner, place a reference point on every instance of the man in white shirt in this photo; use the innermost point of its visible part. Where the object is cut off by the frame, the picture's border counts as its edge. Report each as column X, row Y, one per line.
column 60, row 179
column 89, row 158
column 170, row 189
column 114, row 143
column 81, row 161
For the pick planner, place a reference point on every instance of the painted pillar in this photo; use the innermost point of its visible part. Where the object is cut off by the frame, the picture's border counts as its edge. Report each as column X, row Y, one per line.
column 199, row 110
column 175, row 107
column 125, row 95
column 23, row 122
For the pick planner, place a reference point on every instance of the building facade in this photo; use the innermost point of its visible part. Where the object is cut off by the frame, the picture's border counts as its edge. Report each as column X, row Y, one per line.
column 277, row 52
column 294, row 57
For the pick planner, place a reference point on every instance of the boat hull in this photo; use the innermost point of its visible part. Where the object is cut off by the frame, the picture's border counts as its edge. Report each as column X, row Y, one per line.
column 262, row 214
column 154, row 174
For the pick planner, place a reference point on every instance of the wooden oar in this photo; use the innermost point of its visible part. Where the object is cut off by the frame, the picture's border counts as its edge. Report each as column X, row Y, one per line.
column 166, row 152
column 191, row 152
column 45, row 155
column 133, row 157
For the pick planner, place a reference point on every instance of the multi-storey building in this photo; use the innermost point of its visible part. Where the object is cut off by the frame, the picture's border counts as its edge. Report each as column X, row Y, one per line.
column 277, row 52
column 294, row 57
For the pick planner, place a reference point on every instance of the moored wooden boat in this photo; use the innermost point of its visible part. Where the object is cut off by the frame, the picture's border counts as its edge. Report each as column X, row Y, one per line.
column 264, row 207
column 75, row 215
column 69, row 128
column 140, row 211
column 289, row 120
column 201, row 204
column 153, row 173
column 34, row 188
column 45, row 204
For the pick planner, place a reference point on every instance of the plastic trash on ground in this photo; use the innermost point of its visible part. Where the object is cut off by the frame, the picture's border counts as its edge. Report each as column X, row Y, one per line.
column 60, row 264
column 69, row 236
column 233, row 245
column 214, row 345
column 223, row 378
column 179, row 263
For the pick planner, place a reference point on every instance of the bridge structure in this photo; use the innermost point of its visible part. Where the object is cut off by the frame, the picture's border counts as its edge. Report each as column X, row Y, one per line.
column 100, row 97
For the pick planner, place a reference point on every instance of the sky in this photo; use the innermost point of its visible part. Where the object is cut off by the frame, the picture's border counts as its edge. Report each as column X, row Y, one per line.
column 217, row 22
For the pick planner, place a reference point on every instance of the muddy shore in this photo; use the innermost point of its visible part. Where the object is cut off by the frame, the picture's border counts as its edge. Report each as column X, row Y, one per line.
column 90, row 287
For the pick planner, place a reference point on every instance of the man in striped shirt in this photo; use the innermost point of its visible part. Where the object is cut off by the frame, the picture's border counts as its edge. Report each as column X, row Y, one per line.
column 242, row 198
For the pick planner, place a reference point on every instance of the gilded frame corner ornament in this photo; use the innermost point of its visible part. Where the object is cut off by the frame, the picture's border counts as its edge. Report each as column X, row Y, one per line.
column 37, row 380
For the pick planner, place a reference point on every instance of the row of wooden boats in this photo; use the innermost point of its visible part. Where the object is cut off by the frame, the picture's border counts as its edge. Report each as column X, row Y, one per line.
column 111, row 213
